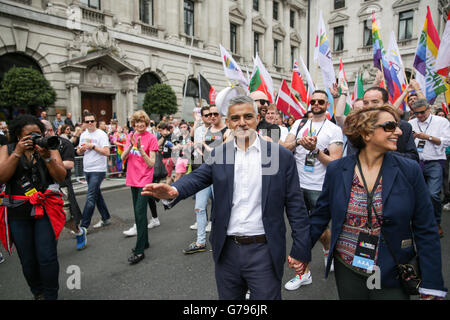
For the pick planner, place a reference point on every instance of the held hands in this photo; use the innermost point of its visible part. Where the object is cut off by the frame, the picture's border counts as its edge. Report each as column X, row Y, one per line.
column 298, row 266
column 160, row 191
column 309, row 143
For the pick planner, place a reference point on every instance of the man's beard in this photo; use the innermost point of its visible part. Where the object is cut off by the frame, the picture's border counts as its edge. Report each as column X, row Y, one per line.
column 322, row 111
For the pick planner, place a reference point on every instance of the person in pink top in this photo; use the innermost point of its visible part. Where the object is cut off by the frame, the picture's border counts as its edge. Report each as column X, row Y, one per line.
column 140, row 153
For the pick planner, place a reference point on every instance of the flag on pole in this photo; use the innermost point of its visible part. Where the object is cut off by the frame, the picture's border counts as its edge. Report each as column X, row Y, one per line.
column 431, row 82
column 379, row 59
column 261, row 79
column 342, row 77
column 442, row 65
column 206, row 91
column 232, row 69
column 444, row 107
column 397, row 70
column 297, row 83
column 322, row 55
column 358, row 89
column 288, row 103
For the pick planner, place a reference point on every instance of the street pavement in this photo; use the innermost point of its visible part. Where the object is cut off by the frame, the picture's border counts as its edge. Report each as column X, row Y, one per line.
column 166, row 273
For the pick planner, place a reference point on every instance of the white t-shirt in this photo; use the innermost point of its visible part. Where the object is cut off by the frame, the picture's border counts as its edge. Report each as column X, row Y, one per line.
column 327, row 133
column 92, row 160
column 283, row 133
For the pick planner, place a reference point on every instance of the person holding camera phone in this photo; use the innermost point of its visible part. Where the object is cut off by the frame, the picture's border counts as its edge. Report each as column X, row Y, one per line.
column 31, row 215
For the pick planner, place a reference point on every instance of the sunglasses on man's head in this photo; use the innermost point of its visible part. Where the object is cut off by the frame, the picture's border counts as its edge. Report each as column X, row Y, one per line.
column 321, row 102
column 388, row 126
column 263, row 101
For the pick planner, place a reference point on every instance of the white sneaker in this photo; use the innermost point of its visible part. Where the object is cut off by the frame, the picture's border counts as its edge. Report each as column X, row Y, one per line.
column 194, row 226
column 208, row 227
column 298, row 281
column 446, row 207
column 247, row 295
column 153, row 223
column 102, row 223
column 131, row 232
column 325, row 258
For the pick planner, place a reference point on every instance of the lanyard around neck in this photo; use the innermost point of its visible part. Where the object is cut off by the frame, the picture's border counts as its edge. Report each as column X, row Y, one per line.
column 310, row 128
column 431, row 119
column 369, row 194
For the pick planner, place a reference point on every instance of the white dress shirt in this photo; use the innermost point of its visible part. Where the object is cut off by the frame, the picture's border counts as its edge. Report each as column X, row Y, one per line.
column 246, row 213
column 437, row 127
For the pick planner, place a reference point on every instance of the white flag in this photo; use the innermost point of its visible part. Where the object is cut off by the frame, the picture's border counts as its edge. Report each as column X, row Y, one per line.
column 232, row 69
column 442, row 65
column 322, row 55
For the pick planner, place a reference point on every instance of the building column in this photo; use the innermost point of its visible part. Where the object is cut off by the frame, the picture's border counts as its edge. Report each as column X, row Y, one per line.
column 268, row 39
column 286, row 54
column 74, row 102
column 173, row 19
column 213, row 14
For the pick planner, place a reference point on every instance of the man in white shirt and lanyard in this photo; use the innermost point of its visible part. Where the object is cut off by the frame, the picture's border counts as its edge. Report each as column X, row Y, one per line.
column 316, row 144
column 432, row 136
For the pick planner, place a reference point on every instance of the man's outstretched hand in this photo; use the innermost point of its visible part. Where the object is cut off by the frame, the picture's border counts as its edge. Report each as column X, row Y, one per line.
column 160, row 191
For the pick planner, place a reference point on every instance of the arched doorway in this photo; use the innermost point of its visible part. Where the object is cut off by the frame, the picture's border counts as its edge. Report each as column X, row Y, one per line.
column 147, row 80
column 9, row 60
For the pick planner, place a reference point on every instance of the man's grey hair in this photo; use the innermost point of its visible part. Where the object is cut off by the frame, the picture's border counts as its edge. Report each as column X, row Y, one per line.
column 47, row 124
column 242, row 100
column 420, row 103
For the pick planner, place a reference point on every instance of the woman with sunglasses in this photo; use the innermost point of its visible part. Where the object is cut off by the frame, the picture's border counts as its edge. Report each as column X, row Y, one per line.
column 377, row 202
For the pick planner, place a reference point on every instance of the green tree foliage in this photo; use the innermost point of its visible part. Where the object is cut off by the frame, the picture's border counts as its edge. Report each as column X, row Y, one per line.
column 26, row 88
column 160, row 99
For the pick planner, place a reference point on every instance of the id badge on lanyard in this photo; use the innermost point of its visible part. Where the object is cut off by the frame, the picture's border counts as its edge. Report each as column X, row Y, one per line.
column 309, row 161
column 421, row 145
column 366, row 249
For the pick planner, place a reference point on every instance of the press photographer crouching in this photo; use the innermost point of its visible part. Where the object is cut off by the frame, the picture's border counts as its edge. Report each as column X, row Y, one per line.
column 32, row 215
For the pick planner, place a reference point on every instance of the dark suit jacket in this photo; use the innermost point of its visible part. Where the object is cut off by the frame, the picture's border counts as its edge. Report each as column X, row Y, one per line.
column 407, row 214
column 280, row 191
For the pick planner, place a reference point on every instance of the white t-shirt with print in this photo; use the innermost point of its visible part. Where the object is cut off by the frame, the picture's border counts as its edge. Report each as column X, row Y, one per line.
column 327, row 133
column 92, row 160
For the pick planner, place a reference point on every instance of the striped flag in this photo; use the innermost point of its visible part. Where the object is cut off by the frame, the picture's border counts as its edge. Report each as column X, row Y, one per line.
column 396, row 69
column 297, row 83
column 342, row 77
column 322, row 55
column 288, row 103
column 232, row 69
column 442, row 65
column 431, row 82
column 358, row 89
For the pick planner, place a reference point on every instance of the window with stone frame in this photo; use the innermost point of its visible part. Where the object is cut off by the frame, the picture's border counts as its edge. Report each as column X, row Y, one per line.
column 146, row 11
column 233, row 37
column 189, row 17
column 94, row 4
column 276, row 52
column 255, row 43
column 367, row 37
column 405, row 25
column 292, row 18
column 338, row 4
column 256, row 5
column 338, row 43
column 275, row 10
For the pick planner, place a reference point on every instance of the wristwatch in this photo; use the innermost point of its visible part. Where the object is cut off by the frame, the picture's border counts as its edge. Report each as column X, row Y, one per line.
column 430, row 138
column 48, row 159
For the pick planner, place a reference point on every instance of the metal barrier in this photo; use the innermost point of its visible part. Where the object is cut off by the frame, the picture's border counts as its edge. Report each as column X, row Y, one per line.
column 113, row 170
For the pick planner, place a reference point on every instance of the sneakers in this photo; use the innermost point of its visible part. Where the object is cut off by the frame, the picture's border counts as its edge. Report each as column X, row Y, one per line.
column 446, row 207
column 325, row 257
column 298, row 281
column 153, row 223
column 193, row 248
column 82, row 239
column 102, row 223
column 131, row 232
column 194, row 226
column 208, row 227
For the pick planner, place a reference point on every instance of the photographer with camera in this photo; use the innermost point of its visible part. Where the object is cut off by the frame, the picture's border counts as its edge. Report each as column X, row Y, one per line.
column 31, row 215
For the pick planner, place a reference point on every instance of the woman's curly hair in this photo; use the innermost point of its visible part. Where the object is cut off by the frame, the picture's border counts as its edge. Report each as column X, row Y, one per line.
column 16, row 126
column 362, row 122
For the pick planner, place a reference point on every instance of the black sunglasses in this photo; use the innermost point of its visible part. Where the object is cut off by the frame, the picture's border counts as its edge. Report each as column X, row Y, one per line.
column 319, row 101
column 263, row 101
column 214, row 114
column 388, row 126
column 207, row 115
column 420, row 112
column 89, row 121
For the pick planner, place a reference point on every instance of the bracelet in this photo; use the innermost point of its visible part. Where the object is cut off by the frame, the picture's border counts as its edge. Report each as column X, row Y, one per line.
column 15, row 154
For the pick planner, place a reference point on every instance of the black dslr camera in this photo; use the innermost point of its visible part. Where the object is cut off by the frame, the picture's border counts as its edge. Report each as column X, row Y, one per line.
column 50, row 143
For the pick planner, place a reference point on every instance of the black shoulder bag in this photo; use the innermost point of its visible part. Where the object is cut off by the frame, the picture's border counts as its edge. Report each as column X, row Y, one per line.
column 408, row 273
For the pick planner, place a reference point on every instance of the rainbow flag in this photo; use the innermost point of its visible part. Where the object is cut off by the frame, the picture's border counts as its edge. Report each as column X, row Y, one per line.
column 379, row 59
column 427, row 51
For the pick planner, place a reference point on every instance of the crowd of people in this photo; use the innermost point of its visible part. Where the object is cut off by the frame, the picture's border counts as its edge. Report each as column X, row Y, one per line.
column 379, row 174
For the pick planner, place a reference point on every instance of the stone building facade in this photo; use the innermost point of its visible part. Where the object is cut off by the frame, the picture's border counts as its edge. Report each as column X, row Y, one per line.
column 102, row 55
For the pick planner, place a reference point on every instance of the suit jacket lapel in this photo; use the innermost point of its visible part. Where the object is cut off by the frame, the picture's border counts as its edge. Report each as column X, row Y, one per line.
column 390, row 171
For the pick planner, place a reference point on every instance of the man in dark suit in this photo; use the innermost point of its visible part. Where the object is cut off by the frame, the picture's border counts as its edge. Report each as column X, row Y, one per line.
column 254, row 181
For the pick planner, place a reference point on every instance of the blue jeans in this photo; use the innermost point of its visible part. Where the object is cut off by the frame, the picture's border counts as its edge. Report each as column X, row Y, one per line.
column 433, row 174
column 201, row 201
column 310, row 197
column 94, row 197
column 36, row 246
